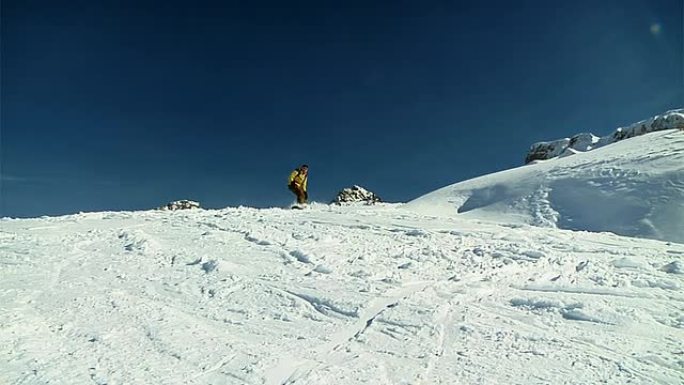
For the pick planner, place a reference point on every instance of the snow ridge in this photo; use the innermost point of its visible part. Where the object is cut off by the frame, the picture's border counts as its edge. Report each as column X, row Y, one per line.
column 673, row 119
column 633, row 187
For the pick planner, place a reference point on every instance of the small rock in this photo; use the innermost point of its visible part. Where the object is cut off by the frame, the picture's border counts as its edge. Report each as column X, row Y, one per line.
column 674, row 267
column 183, row 204
column 356, row 194
column 209, row 266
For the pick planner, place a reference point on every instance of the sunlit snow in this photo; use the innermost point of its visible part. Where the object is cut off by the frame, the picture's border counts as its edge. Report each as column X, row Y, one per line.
column 476, row 283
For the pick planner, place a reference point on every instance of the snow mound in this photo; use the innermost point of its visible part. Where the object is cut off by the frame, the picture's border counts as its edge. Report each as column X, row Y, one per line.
column 633, row 187
column 586, row 141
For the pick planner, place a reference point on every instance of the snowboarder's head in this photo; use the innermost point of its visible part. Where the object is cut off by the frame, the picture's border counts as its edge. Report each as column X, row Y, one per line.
column 304, row 169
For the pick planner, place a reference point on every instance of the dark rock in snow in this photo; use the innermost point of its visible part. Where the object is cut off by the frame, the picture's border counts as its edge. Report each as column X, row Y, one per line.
column 182, row 204
column 356, row 194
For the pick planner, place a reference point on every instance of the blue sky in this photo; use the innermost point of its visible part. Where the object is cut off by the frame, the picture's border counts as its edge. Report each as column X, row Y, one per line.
column 123, row 105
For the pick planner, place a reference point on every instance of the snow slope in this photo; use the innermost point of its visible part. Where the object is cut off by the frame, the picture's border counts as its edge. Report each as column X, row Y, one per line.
column 339, row 295
column 634, row 187
column 673, row 119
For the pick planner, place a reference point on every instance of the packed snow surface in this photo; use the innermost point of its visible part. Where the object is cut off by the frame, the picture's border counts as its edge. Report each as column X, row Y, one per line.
column 334, row 295
column 634, row 187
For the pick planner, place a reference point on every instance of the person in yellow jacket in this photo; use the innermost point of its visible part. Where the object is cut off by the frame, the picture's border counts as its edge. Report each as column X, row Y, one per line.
column 297, row 183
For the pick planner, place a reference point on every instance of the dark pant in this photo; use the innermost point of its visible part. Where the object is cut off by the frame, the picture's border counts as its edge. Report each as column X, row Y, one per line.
column 301, row 194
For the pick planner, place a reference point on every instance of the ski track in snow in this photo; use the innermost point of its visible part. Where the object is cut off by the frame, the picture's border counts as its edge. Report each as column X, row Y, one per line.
column 333, row 295
column 634, row 187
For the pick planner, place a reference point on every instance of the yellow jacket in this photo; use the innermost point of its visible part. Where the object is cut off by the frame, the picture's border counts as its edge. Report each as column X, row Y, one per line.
column 298, row 179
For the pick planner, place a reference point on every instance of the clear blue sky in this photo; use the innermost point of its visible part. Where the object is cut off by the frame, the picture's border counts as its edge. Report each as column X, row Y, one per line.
column 121, row 105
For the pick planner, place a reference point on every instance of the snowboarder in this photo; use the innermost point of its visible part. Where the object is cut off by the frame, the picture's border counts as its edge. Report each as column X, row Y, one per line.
column 297, row 183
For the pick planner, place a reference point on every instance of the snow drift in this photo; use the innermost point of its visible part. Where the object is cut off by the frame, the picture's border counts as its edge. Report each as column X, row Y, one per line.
column 634, row 187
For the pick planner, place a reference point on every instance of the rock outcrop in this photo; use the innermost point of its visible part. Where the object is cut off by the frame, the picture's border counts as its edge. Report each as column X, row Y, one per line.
column 356, row 194
column 586, row 141
column 182, row 204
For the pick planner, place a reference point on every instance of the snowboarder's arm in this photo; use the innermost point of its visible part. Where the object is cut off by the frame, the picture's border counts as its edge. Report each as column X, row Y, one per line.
column 292, row 176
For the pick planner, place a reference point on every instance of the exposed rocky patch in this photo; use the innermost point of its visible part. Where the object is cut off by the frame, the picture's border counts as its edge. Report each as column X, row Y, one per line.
column 586, row 141
column 182, row 204
column 356, row 194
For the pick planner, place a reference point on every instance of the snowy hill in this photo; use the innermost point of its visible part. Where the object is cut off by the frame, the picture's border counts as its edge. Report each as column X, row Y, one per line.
column 333, row 295
column 480, row 282
column 634, row 187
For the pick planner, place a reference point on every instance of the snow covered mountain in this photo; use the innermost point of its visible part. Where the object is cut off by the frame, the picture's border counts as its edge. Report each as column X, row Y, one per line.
column 476, row 283
column 671, row 120
column 633, row 187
